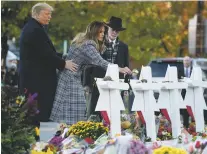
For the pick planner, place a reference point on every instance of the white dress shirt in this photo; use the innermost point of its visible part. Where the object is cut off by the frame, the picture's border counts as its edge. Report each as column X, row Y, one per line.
column 114, row 41
column 187, row 72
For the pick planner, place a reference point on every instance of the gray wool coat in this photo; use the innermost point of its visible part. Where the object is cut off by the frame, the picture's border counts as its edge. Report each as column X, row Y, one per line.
column 69, row 104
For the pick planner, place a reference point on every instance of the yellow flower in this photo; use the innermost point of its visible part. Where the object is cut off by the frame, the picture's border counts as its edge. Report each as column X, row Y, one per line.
column 157, row 151
column 36, row 152
column 37, row 131
column 183, row 152
column 33, row 152
column 17, row 101
column 49, row 151
column 117, row 135
column 85, row 128
column 158, row 139
column 169, row 150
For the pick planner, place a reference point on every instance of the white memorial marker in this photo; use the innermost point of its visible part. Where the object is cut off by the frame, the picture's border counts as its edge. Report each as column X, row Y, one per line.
column 170, row 99
column 194, row 97
column 110, row 98
column 144, row 100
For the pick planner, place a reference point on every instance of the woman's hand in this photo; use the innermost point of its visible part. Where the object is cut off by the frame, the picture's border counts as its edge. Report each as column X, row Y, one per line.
column 125, row 70
column 70, row 65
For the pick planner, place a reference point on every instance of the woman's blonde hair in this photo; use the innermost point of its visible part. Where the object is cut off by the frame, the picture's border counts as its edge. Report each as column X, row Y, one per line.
column 39, row 7
column 91, row 33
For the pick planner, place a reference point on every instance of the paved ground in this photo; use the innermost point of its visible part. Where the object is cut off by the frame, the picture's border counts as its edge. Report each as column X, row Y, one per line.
column 47, row 130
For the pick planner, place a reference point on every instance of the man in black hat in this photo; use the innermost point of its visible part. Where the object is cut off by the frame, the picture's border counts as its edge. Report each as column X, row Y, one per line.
column 116, row 52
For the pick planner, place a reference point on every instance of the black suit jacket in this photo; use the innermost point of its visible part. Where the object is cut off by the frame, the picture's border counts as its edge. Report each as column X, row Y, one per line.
column 122, row 58
column 38, row 61
column 181, row 72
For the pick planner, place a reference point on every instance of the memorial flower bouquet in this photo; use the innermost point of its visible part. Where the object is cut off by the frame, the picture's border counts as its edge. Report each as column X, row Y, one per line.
column 164, row 130
column 197, row 148
column 87, row 130
column 125, row 121
column 192, row 130
column 130, row 124
column 169, row 150
column 43, row 148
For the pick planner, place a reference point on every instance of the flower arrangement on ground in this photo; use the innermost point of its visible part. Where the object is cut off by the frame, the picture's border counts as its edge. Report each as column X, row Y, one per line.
column 198, row 148
column 165, row 130
column 130, row 124
column 192, row 131
column 87, row 129
column 43, row 148
column 169, row 150
column 137, row 147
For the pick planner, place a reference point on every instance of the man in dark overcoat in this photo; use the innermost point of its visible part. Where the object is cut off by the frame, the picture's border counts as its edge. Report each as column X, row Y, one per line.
column 39, row 61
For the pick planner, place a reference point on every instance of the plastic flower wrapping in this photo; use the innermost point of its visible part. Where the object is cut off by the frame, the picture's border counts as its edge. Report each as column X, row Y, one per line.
column 62, row 126
column 43, row 148
column 90, row 137
column 130, row 124
column 64, row 142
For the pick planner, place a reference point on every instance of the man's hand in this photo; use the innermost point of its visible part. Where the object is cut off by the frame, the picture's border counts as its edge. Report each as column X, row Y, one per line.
column 125, row 70
column 70, row 65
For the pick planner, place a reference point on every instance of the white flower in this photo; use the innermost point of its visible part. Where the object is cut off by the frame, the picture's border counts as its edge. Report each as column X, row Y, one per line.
column 164, row 133
column 39, row 146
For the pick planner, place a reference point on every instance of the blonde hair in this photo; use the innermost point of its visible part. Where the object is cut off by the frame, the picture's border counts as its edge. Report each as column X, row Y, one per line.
column 39, row 7
column 91, row 33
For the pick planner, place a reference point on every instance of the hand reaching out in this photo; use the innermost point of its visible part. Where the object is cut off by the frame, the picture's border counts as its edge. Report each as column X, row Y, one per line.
column 70, row 65
column 125, row 70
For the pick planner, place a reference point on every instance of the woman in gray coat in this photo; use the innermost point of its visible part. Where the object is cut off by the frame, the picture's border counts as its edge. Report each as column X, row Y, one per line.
column 70, row 104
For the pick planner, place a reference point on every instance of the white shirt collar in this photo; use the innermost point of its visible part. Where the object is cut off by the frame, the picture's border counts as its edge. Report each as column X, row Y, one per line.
column 114, row 41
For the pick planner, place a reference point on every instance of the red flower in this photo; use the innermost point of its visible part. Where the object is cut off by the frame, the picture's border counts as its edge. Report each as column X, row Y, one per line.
column 161, row 128
column 204, row 135
column 191, row 128
column 89, row 140
column 169, row 129
column 198, row 144
column 159, row 133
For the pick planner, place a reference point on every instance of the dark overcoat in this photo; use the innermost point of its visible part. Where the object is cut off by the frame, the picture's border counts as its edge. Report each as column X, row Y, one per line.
column 38, row 64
